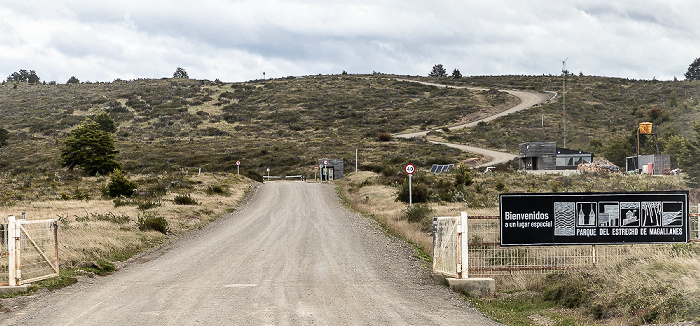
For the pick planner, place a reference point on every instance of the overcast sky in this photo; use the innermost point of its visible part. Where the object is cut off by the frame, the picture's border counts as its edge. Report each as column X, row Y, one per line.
column 236, row 40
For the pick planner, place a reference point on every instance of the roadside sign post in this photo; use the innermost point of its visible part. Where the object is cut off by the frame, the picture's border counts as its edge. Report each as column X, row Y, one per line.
column 238, row 167
column 410, row 168
column 325, row 170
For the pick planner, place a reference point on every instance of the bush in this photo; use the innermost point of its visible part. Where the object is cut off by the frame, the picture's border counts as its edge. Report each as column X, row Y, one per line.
column 383, row 137
column 418, row 213
column 185, row 200
column 217, row 190
column 119, row 185
column 149, row 222
column 463, row 177
column 253, row 175
column 419, row 192
column 145, row 204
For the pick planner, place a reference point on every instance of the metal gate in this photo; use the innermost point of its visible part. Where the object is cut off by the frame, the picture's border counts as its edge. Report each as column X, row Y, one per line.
column 31, row 248
column 450, row 245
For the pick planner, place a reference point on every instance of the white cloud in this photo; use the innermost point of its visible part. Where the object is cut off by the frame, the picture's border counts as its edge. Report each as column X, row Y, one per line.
column 238, row 40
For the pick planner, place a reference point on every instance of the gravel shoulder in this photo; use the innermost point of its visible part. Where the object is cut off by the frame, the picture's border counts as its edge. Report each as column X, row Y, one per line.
column 290, row 255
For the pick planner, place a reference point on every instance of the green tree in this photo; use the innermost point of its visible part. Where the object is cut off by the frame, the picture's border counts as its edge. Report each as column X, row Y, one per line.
column 180, row 73
column 106, row 122
column 73, row 80
column 680, row 149
column 438, row 71
column 693, row 72
column 4, row 136
column 456, row 74
column 24, row 76
column 463, row 177
column 119, row 185
column 618, row 149
column 90, row 148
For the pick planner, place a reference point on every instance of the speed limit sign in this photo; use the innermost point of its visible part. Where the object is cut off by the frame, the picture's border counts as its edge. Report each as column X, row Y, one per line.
column 238, row 162
column 410, row 168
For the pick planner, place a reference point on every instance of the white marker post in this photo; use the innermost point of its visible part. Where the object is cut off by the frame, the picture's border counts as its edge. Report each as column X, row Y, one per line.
column 315, row 171
column 325, row 169
column 410, row 168
column 238, row 167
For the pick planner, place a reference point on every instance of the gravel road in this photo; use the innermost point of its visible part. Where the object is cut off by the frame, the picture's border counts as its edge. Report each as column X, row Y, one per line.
column 291, row 255
column 527, row 100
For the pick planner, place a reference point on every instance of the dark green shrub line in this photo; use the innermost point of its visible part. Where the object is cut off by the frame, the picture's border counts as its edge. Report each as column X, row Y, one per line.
column 150, row 222
column 185, row 200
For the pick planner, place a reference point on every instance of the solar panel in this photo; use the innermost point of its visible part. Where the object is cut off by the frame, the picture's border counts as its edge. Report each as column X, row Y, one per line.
column 440, row 168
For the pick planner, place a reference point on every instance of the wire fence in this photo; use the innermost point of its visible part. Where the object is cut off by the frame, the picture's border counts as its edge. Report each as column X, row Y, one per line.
column 4, row 256
column 31, row 258
column 486, row 258
column 38, row 250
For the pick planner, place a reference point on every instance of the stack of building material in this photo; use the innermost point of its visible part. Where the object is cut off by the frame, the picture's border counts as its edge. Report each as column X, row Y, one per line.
column 598, row 165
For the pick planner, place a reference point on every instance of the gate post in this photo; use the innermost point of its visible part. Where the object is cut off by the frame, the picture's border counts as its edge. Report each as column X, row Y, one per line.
column 13, row 248
column 463, row 246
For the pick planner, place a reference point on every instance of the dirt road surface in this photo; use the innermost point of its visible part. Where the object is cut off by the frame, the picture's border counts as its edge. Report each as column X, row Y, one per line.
column 527, row 100
column 292, row 255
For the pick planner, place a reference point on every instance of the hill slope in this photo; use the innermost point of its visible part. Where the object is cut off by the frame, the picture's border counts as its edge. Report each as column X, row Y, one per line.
column 287, row 124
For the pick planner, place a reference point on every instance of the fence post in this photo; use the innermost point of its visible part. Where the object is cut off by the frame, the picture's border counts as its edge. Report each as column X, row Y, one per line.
column 13, row 248
column 463, row 246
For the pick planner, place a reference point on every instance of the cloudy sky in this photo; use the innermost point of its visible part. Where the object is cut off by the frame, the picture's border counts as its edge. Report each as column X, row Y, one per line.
column 238, row 40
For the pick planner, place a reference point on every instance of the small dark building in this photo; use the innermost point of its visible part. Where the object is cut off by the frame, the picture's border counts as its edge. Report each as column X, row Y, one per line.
column 569, row 159
column 333, row 170
column 547, row 156
column 538, row 156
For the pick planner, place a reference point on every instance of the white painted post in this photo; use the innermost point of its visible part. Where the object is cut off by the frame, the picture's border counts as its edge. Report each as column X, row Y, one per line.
column 356, row 160
column 13, row 246
column 463, row 250
column 410, row 195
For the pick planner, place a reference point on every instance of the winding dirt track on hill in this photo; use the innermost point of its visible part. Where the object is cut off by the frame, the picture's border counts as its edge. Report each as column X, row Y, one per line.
column 527, row 100
column 291, row 256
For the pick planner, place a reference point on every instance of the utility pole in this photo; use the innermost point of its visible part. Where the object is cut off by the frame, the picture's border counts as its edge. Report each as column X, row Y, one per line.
column 563, row 94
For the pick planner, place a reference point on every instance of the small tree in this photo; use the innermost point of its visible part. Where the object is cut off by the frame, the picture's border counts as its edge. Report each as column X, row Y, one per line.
column 456, row 74
column 180, row 73
column 73, row 80
column 438, row 71
column 24, row 76
column 90, row 148
column 106, row 122
column 463, row 177
column 119, row 185
column 693, row 72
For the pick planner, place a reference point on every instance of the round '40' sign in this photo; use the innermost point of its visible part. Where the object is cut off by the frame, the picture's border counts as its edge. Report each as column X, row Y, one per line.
column 410, row 168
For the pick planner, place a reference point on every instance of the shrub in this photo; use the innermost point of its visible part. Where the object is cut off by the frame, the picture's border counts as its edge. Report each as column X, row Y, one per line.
column 463, row 176
column 149, row 222
column 145, row 204
column 110, row 217
column 418, row 213
column 419, row 192
column 383, row 137
column 253, row 175
column 119, row 185
column 185, row 200
column 217, row 190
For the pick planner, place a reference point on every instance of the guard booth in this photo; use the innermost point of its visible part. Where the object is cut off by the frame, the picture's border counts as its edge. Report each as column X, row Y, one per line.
column 331, row 169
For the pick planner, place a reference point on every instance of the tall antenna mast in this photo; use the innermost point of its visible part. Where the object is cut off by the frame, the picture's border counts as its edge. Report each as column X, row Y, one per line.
column 563, row 82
